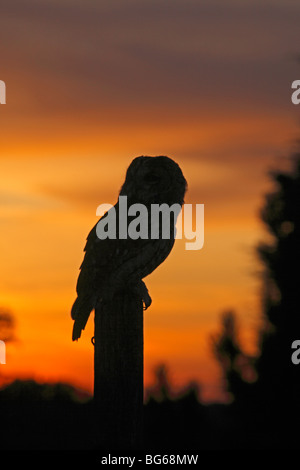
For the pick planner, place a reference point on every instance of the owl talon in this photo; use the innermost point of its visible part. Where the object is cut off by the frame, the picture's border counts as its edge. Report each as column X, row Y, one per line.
column 147, row 301
column 141, row 291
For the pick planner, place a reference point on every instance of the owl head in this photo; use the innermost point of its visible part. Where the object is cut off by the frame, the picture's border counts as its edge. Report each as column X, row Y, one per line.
column 154, row 180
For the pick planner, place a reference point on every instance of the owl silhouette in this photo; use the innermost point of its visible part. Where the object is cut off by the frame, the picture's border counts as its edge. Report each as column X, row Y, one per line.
column 113, row 265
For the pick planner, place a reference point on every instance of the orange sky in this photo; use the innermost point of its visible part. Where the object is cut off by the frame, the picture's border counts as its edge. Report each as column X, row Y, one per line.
column 89, row 87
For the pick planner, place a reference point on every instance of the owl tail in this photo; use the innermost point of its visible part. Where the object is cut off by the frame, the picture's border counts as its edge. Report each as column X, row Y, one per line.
column 80, row 313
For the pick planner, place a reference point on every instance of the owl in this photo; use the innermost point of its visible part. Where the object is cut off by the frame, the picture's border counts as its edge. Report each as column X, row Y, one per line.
column 113, row 265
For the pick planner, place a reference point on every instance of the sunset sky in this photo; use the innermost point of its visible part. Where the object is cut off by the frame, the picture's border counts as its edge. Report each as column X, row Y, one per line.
column 93, row 84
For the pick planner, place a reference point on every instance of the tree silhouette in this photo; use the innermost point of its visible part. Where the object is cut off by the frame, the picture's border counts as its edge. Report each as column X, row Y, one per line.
column 269, row 407
column 278, row 378
column 236, row 365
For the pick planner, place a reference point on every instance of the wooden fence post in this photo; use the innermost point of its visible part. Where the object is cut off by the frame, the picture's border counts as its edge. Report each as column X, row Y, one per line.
column 118, row 373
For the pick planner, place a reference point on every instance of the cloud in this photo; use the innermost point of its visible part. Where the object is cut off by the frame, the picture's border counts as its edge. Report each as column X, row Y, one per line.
column 103, row 56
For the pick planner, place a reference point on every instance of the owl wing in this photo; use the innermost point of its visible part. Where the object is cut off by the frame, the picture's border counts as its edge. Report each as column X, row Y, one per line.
column 96, row 267
column 109, row 265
